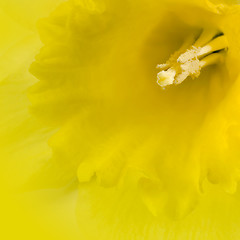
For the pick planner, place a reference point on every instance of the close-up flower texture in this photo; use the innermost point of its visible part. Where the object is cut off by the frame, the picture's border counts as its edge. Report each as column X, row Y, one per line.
column 120, row 119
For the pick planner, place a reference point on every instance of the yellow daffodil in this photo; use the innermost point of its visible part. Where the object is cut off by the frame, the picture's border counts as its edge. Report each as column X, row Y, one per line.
column 121, row 119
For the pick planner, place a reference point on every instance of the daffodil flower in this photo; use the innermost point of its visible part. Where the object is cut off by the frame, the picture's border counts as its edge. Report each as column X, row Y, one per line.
column 134, row 106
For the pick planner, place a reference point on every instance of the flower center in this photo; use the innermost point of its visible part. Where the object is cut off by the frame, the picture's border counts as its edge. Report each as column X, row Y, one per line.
column 194, row 54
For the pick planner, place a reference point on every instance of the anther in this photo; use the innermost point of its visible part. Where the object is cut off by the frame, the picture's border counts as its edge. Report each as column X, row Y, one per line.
column 192, row 57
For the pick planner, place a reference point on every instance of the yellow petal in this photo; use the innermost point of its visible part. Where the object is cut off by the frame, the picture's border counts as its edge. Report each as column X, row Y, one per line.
column 83, row 57
column 119, row 213
column 97, row 90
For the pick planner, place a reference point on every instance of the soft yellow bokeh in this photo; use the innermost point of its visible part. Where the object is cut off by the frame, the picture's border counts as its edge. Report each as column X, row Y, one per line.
column 91, row 147
column 23, row 144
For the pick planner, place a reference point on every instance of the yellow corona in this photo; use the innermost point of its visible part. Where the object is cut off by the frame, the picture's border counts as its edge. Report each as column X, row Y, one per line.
column 99, row 144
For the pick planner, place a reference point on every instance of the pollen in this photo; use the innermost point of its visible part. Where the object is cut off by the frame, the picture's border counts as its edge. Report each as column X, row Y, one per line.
column 208, row 49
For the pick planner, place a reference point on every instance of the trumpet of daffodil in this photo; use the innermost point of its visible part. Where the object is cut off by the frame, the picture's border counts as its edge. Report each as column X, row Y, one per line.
column 120, row 119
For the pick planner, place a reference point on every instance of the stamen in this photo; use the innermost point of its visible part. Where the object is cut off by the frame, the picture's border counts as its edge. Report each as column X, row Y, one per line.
column 206, row 36
column 189, row 60
column 212, row 59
